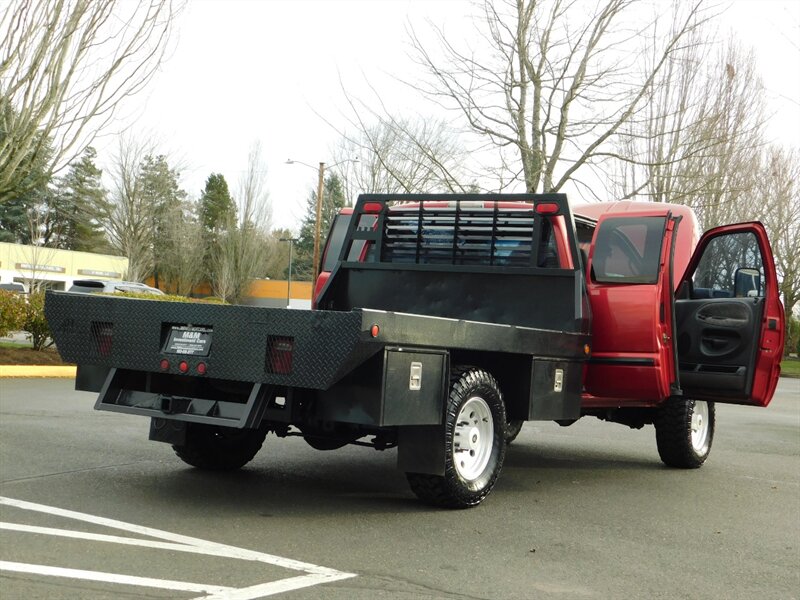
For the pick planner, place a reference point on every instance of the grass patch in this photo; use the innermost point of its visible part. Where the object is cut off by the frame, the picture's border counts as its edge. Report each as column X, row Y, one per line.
column 790, row 367
column 16, row 354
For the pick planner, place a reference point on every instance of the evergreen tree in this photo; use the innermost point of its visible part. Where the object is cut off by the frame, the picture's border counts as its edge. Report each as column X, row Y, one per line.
column 217, row 215
column 217, row 209
column 161, row 192
column 75, row 207
column 333, row 199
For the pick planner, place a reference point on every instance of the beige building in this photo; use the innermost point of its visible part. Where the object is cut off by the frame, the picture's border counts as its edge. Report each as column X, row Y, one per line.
column 56, row 269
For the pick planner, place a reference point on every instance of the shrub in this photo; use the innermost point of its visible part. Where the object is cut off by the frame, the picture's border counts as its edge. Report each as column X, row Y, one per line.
column 792, row 336
column 12, row 312
column 164, row 297
column 34, row 322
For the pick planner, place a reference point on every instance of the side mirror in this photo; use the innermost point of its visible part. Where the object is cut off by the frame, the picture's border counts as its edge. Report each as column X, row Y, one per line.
column 747, row 283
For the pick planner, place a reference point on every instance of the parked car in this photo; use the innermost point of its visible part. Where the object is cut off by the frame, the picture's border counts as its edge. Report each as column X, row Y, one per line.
column 97, row 286
column 19, row 288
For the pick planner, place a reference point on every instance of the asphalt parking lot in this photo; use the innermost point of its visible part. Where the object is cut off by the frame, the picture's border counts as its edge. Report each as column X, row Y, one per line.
column 91, row 509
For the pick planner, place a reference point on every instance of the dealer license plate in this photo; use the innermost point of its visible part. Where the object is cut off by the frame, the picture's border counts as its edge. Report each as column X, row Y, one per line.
column 191, row 341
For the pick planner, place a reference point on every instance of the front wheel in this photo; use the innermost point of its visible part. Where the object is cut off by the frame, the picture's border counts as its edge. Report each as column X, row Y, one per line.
column 684, row 432
column 215, row 448
column 474, row 440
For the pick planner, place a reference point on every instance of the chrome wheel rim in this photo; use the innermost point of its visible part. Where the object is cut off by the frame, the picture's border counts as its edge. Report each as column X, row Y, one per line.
column 473, row 438
column 700, row 426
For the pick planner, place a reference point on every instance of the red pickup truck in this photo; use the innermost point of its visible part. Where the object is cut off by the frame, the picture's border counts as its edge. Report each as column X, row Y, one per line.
column 441, row 323
column 679, row 321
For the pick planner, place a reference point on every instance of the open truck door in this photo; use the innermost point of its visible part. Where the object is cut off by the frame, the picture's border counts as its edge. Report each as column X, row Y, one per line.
column 729, row 320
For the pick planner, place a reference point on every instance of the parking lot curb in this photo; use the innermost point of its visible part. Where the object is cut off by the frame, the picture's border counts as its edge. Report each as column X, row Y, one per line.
column 36, row 371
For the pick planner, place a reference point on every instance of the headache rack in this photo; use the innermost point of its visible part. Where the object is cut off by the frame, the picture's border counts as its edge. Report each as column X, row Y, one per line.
column 468, row 230
column 488, row 257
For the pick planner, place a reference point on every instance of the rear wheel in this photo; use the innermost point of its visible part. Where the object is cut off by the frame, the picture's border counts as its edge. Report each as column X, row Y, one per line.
column 215, row 448
column 474, row 439
column 684, row 432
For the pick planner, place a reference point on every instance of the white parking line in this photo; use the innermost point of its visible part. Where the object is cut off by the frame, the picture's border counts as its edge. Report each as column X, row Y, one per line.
column 314, row 574
column 166, row 584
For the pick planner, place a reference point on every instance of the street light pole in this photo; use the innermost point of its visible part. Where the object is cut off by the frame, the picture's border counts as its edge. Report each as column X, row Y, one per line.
column 289, row 282
column 318, row 224
column 318, row 220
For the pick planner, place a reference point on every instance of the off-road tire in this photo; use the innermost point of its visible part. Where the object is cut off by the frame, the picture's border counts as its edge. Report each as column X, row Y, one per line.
column 513, row 427
column 469, row 387
column 675, row 423
column 214, row 448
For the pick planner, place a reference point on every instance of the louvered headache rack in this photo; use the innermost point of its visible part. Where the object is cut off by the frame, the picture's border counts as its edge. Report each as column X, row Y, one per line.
column 453, row 230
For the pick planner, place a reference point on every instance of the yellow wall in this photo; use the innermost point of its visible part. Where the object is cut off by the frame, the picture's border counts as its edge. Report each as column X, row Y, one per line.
column 260, row 288
column 27, row 262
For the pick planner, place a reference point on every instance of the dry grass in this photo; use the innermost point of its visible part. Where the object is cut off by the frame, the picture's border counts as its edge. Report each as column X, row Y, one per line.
column 15, row 354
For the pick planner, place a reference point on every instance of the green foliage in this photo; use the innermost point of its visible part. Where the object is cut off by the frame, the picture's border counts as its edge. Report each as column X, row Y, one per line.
column 792, row 336
column 165, row 297
column 161, row 192
column 12, row 312
column 217, row 209
column 333, row 199
column 79, row 203
column 34, row 322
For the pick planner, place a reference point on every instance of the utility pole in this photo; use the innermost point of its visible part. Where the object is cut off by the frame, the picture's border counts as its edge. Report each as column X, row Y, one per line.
column 318, row 221
column 318, row 224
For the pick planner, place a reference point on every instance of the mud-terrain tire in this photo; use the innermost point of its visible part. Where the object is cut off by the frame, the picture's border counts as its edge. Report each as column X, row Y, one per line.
column 214, row 448
column 474, row 439
column 513, row 427
column 684, row 432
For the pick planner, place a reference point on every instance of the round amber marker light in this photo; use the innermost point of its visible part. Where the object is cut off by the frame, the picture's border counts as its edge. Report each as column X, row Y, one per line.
column 587, row 349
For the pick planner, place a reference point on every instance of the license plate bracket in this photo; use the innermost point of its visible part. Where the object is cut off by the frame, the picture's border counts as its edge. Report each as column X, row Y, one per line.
column 189, row 341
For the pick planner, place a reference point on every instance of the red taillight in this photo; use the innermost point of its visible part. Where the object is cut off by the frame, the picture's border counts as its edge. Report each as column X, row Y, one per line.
column 183, row 367
column 280, row 354
column 201, row 368
column 164, row 364
column 373, row 207
column 374, row 331
column 103, row 337
column 547, row 208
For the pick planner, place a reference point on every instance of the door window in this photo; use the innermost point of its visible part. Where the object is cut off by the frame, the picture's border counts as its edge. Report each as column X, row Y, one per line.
column 628, row 250
column 731, row 267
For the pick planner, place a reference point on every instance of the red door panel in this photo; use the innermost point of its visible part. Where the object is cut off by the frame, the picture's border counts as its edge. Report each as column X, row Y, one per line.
column 630, row 292
column 729, row 318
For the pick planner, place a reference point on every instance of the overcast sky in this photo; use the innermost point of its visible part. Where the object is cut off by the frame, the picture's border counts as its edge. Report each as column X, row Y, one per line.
column 265, row 70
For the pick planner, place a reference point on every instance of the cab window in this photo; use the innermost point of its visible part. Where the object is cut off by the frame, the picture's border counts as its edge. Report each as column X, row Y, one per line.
column 335, row 241
column 628, row 250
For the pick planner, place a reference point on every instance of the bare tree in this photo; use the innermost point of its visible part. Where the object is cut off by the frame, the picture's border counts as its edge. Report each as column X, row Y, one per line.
column 656, row 142
column 65, row 66
column 550, row 85
column 701, row 139
column 778, row 202
column 184, row 249
column 130, row 217
column 398, row 154
column 242, row 249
